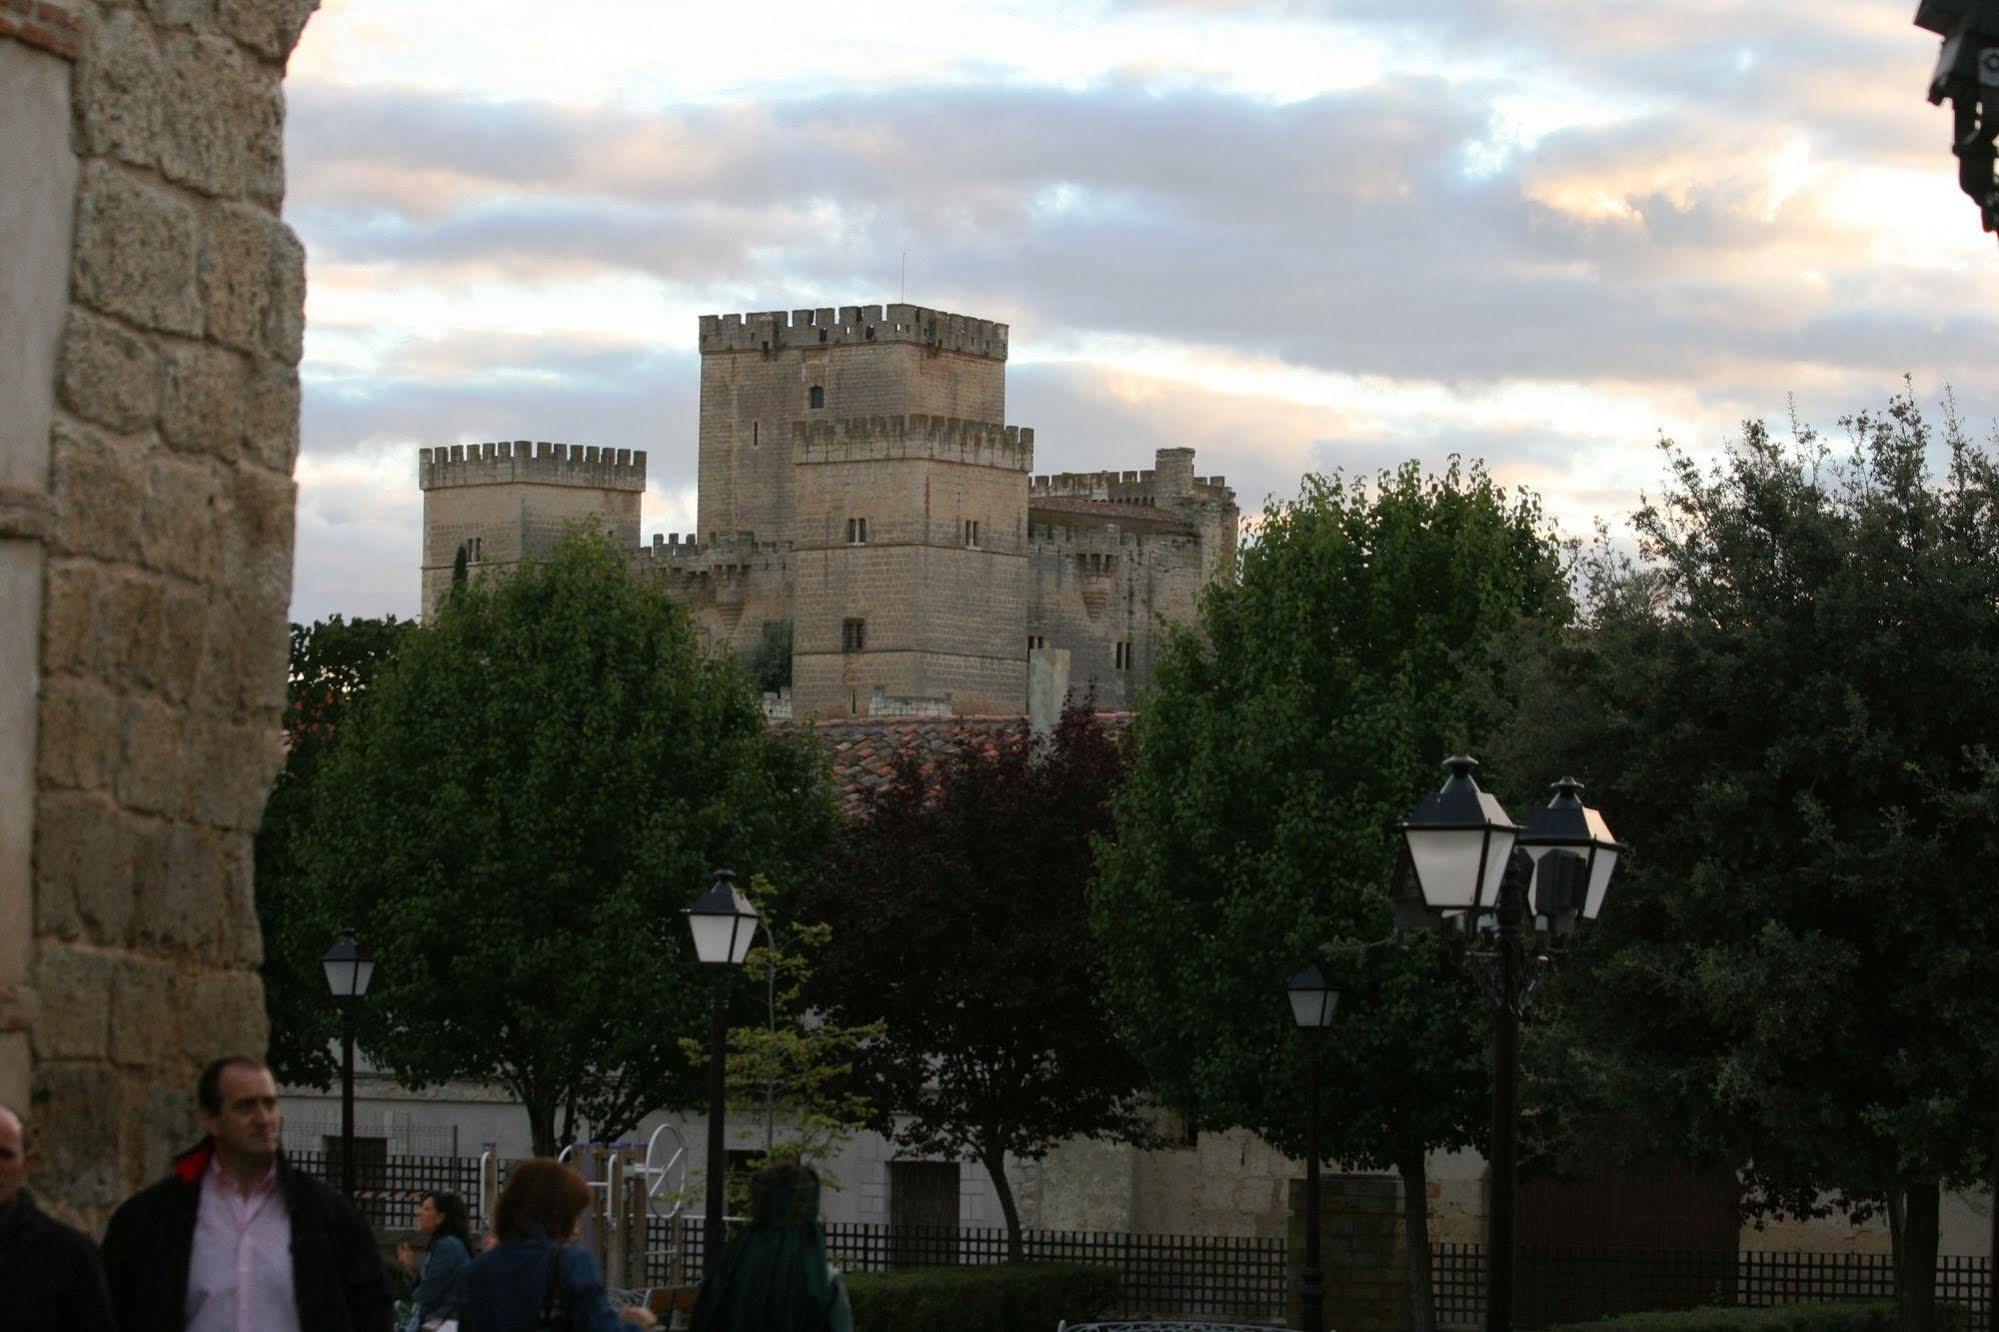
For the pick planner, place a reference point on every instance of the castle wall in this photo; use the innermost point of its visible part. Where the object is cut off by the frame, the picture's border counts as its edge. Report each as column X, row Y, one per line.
column 732, row 588
column 757, row 376
column 148, row 367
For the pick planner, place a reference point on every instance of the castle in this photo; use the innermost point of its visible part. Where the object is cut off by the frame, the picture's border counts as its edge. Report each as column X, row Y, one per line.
column 857, row 486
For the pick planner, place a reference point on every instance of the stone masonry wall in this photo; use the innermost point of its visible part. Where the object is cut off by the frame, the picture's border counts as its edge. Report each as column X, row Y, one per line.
column 146, row 509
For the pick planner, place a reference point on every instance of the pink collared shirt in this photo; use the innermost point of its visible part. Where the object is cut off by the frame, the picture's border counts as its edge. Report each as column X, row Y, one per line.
column 239, row 1278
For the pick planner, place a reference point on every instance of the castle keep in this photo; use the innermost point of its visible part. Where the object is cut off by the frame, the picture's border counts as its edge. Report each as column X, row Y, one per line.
column 857, row 483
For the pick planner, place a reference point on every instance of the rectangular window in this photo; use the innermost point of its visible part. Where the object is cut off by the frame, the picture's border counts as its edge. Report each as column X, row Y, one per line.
column 857, row 531
column 971, row 533
column 853, row 635
column 756, row 433
column 1036, row 642
column 1124, row 656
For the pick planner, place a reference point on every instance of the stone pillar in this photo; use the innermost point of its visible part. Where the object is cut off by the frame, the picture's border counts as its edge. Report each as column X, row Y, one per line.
column 151, row 315
column 1361, row 1246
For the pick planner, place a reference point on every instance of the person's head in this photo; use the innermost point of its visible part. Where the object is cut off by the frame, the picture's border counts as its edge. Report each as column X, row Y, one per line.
column 784, row 1193
column 238, row 1099
column 441, row 1214
column 17, row 1153
column 541, row 1194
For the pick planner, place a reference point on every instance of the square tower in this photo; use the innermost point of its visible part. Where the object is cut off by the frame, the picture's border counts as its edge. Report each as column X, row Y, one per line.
column 762, row 374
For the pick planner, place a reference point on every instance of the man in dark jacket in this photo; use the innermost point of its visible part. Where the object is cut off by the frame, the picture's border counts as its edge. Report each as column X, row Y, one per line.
column 50, row 1279
column 234, row 1240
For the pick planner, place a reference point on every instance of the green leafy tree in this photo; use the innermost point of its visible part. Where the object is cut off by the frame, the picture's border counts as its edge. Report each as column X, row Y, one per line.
column 769, row 662
column 1281, row 742
column 333, row 661
column 516, row 814
column 960, row 927
column 1786, row 700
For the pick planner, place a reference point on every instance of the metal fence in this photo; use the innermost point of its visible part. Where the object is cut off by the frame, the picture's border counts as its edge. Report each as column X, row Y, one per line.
column 1573, row 1285
column 1177, row 1274
column 387, row 1189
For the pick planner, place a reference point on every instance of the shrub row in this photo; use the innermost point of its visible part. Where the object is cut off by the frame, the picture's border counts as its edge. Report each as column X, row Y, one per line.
column 999, row 1298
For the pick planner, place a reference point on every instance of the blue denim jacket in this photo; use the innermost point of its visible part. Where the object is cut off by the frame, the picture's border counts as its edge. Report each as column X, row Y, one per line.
column 503, row 1289
column 441, row 1279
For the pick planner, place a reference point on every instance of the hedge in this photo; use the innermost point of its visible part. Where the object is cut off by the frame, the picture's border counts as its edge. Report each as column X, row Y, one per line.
column 998, row 1298
column 1829, row 1316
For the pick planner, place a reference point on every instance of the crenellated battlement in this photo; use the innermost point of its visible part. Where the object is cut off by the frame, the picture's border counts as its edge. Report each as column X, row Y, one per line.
column 734, row 552
column 851, row 325
column 528, row 462
column 941, row 438
column 1170, row 482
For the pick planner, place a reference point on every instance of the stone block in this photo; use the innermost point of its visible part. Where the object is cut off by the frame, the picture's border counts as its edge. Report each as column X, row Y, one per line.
column 205, row 400
column 154, row 771
column 259, row 546
column 96, row 489
column 131, row 610
column 84, row 850
column 236, row 764
column 145, row 1021
column 242, row 936
column 107, row 373
column 182, row 516
column 271, row 28
column 245, row 656
column 135, row 253
column 81, row 1145
column 69, row 617
column 182, row 13
column 79, row 734
column 223, row 1014
column 223, row 131
column 176, row 881
column 74, row 988
column 124, row 92
column 184, row 626
column 253, row 283
column 270, row 425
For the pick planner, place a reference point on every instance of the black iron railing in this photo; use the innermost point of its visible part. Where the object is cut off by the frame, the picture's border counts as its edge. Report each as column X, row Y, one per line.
column 1566, row 1285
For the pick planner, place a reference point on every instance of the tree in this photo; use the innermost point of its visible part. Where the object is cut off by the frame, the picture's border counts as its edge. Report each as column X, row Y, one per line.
column 1282, row 741
column 333, row 661
column 1786, row 700
column 769, row 661
column 959, row 921
column 516, row 814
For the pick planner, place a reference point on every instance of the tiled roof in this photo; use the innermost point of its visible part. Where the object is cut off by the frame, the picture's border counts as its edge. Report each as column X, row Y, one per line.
column 863, row 749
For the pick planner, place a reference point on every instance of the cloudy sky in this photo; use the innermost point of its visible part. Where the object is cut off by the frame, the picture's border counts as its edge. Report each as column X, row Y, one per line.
column 1307, row 235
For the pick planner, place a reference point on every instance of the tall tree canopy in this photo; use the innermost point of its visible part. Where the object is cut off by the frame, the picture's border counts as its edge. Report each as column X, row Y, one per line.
column 1787, row 703
column 514, row 817
column 1284, row 738
column 960, row 926
column 333, row 661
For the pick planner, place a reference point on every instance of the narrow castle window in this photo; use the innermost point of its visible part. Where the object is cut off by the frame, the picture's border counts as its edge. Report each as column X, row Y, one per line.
column 815, row 396
column 1036, row 641
column 1124, row 656
column 972, row 533
column 756, row 433
column 857, row 531
column 853, row 635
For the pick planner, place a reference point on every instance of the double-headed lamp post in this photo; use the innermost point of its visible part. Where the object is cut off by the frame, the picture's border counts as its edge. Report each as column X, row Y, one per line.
column 348, row 971
column 1312, row 1004
column 724, row 925
column 1474, row 866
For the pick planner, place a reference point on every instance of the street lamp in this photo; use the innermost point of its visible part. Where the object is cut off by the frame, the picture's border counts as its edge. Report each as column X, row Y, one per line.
column 1967, row 73
column 1312, row 1004
column 348, row 971
column 724, row 925
column 1471, row 861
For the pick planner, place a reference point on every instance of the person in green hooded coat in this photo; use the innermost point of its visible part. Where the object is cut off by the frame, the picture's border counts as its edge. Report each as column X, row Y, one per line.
column 774, row 1276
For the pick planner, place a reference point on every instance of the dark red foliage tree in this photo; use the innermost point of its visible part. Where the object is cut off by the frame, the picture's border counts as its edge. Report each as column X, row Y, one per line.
column 960, row 921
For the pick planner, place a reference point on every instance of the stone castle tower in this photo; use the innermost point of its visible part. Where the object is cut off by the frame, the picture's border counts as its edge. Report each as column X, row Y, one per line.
column 858, row 486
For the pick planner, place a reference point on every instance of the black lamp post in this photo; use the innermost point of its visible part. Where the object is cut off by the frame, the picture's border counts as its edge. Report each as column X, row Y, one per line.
column 1472, row 862
column 1967, row 73
column 348, row 971
column 1312, row 1004
column 724, row 926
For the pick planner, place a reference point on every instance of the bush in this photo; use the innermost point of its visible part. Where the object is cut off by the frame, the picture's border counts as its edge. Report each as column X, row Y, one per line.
column 1830, row 1316
column 1000, row 1298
